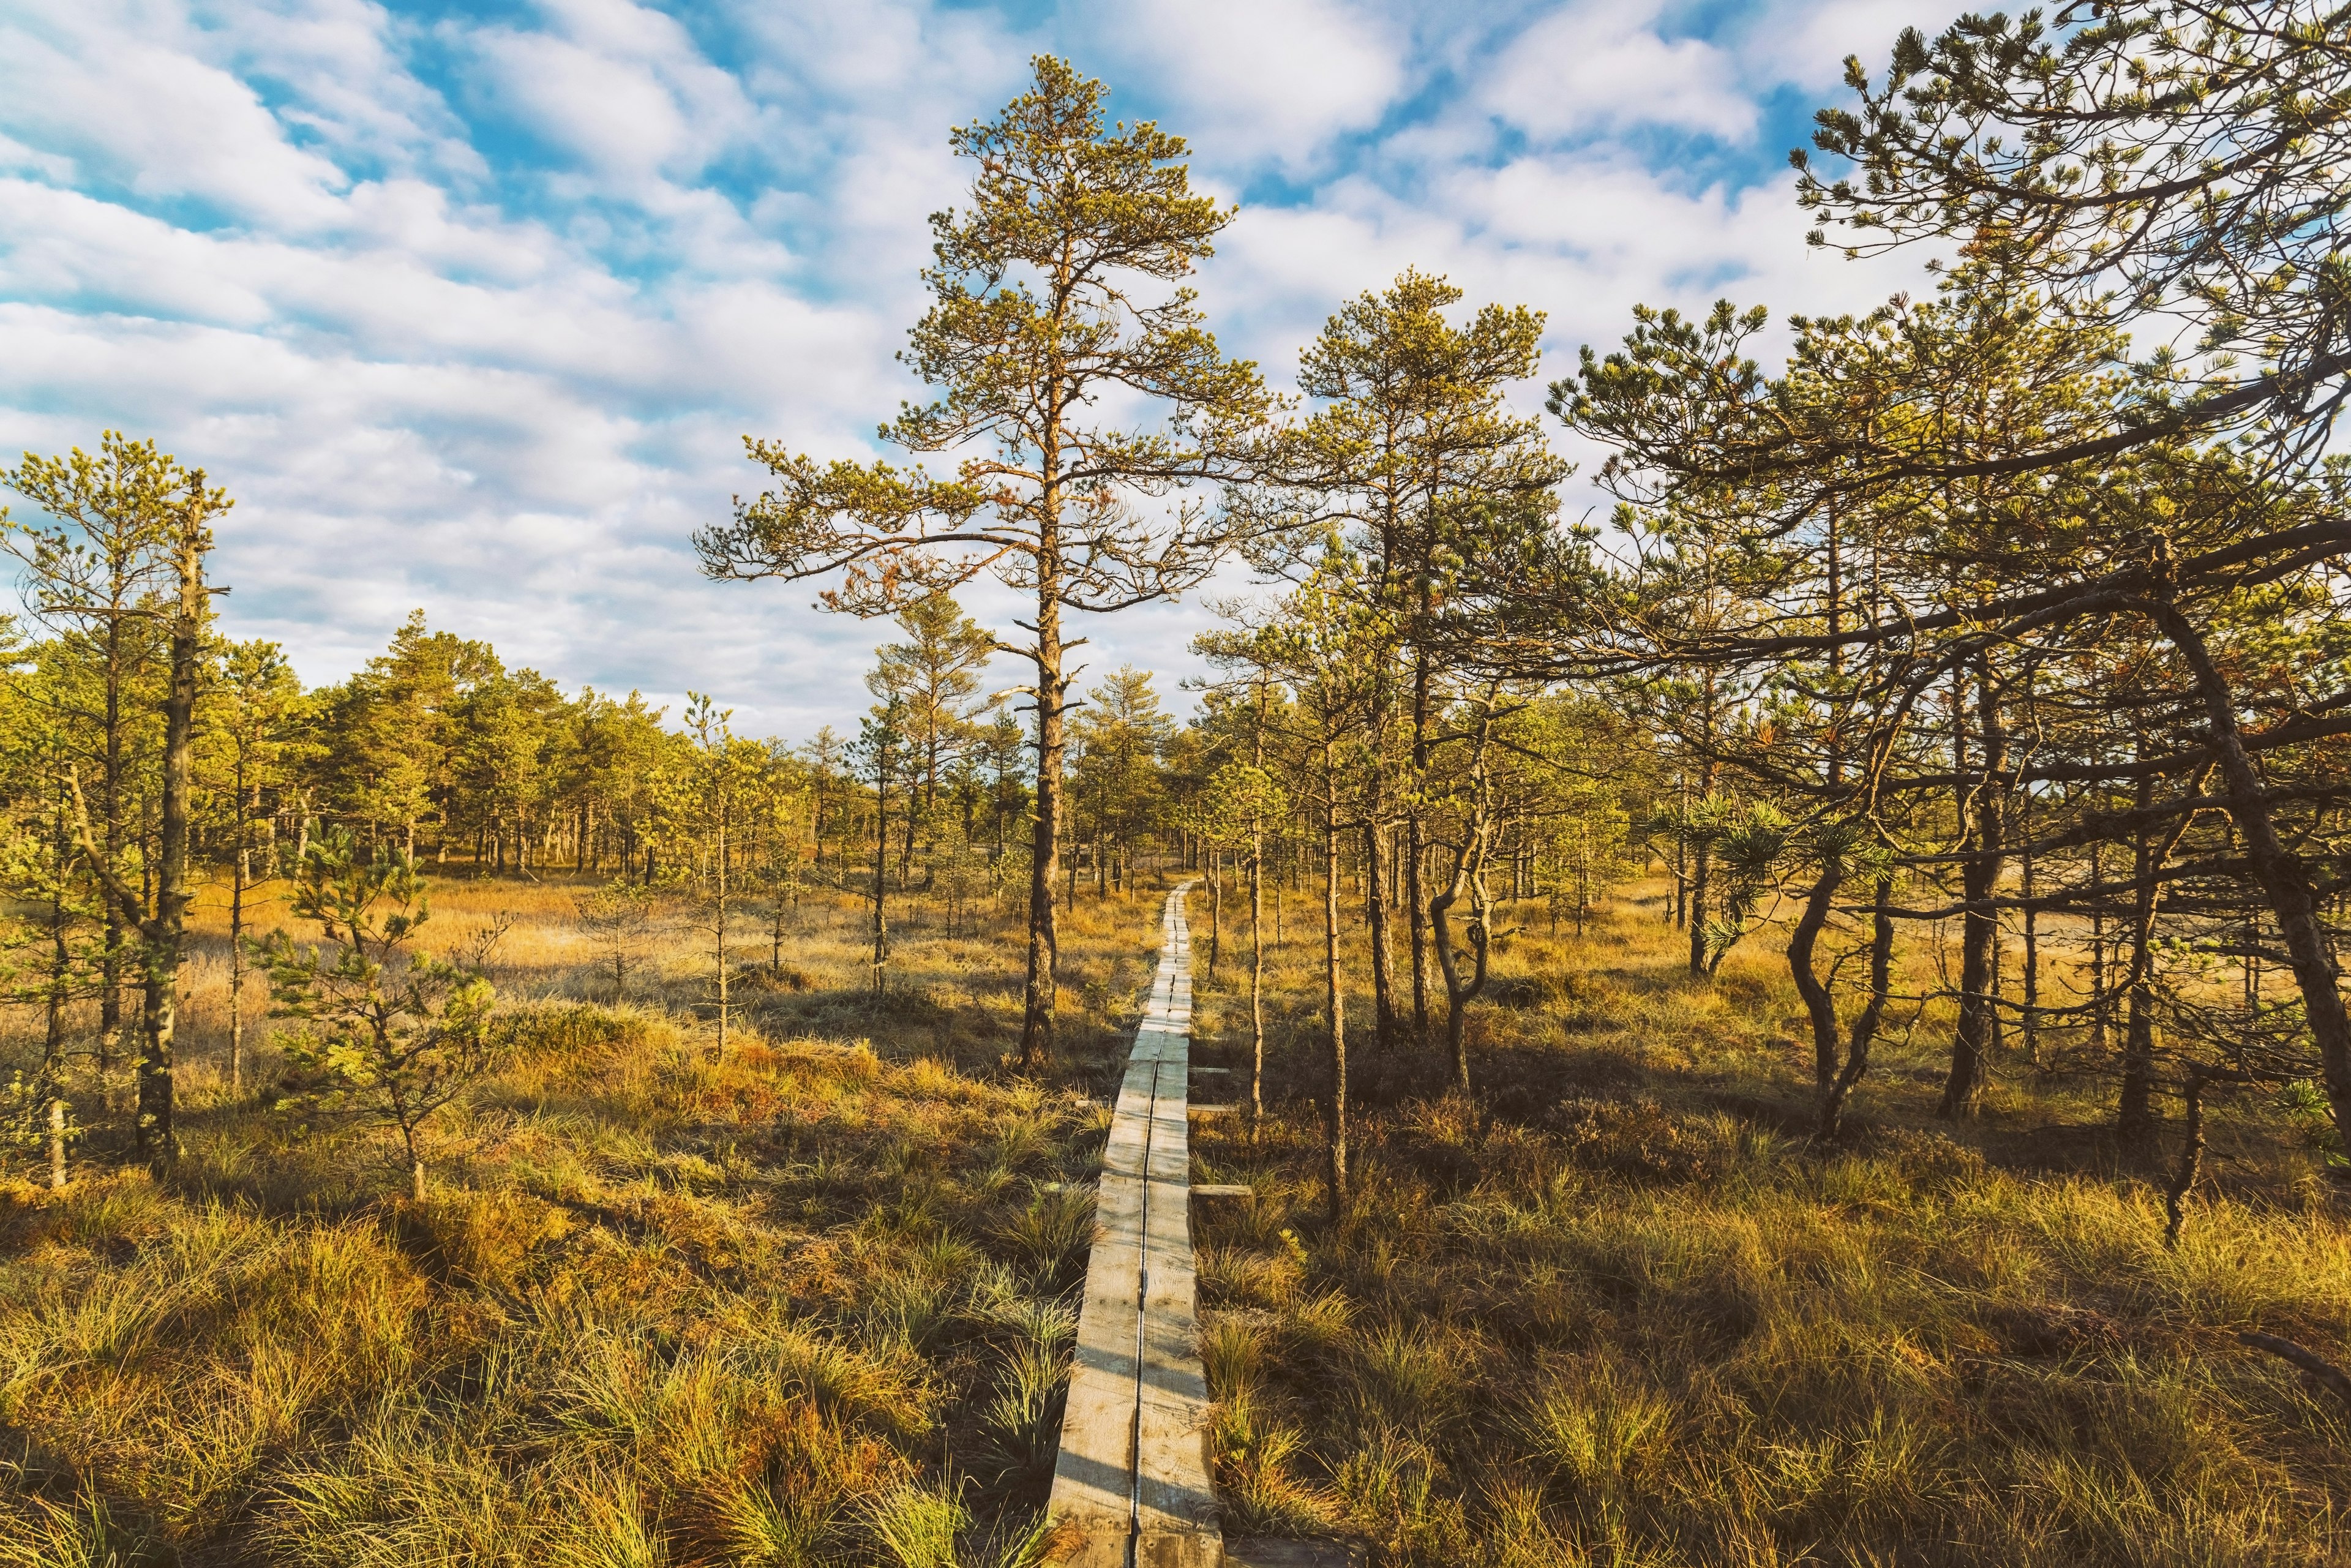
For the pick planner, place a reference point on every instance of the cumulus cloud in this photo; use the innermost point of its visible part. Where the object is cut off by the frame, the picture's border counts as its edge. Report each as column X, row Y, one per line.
column 472, row 313
column 1257, row 81
column 620, row 87
column 120, row 93
column 1599, row 64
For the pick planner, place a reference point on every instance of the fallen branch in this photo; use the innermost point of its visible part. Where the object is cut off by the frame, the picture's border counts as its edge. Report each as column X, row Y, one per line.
column 2316, row 1368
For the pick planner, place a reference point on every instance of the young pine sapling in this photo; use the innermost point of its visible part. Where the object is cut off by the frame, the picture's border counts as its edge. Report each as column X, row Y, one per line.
column 386, row 1034
column 616, row 917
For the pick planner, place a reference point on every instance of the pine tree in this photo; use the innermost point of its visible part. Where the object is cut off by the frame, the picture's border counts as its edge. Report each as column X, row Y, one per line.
column 710, row 804
column 934, row 673
column 883, row 751
column 53, row 960
column 1118, row 737
column 1446, row 497
column 91, row 575
column 141, row 519
column 1035, row 316
column 389, row 1035
column 261, row 734
column 2135, row 158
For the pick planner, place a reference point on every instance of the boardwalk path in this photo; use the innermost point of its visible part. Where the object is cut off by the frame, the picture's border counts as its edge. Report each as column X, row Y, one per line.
column 1132, row 1484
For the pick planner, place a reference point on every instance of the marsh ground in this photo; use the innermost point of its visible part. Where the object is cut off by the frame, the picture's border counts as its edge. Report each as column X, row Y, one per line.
column 810, row 1302
column 807, row 1303
column 1622, row 1309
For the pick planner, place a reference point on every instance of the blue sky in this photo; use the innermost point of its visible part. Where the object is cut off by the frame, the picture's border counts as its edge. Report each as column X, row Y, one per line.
column 470, row 304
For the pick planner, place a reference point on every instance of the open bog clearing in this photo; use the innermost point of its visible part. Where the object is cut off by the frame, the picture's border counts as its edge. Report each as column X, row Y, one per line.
column 816, row 1302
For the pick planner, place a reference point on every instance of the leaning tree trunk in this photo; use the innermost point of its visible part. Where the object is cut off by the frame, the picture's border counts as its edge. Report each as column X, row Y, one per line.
column 1834, row 1082
column 2292, row 903
column 1460, row 990
column 1468, row 876
column 1820, row 1008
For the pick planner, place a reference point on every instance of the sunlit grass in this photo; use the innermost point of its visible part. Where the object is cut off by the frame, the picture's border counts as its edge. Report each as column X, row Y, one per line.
column 809, row 1304
column 813, row 1302
column 1624, row 1312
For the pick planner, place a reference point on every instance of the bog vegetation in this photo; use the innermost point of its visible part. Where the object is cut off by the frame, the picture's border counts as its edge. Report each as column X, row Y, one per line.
column 1802, row 1023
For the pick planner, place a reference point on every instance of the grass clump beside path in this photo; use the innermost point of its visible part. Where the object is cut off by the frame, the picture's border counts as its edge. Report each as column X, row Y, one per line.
column 811, row 1304
column 1622, row 1311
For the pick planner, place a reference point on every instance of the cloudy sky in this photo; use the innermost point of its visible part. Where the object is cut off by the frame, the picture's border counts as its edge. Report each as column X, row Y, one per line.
column 470, row 304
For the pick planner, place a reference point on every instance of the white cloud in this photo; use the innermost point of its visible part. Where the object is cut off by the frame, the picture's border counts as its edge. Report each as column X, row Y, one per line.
column 507, row 385
column 1600, row 63
column 620, row 87
column 121, row 91
column 332, row 70
column 1259, row 80
column 1806, row 41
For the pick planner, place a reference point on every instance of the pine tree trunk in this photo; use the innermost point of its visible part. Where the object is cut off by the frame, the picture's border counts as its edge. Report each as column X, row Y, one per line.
column 2032, row 935
column 1216, row 908
column 1701, row 881
column 1334, row 998
column 2292, row 902
column 721, row 923
column 1820, row 1008
column 166, row 935
column 1038, row 998
column 1837, row 1090
column 2135, row 1107
column 881, row 874
column 1977, row 1031
column 1415, row 854
column 62, row 964
column 236, row 972
column 2097, row 950
column 1375, row 919
column 1257, row 973
column 1460, row 990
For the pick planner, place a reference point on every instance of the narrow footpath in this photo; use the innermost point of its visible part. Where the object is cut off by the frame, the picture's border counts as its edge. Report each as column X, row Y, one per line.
column 1132, row 1485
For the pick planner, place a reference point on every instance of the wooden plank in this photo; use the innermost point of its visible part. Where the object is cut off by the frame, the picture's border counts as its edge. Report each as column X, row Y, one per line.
column 1132, row 1475
column 1274, row 1552
column 1175, row 1500
column 1222, row 1190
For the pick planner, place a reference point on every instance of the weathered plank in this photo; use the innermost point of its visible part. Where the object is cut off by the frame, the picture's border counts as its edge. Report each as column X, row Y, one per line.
column 1132, row 1473
column 1273, row 1552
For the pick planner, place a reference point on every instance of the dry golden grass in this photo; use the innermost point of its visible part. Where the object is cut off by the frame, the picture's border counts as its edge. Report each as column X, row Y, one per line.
column 808, row 1304
column 812, row 1303
column 1622, row 1311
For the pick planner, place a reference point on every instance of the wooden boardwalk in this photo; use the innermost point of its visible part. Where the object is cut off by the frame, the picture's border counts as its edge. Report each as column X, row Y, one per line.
column 1132, row 1484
